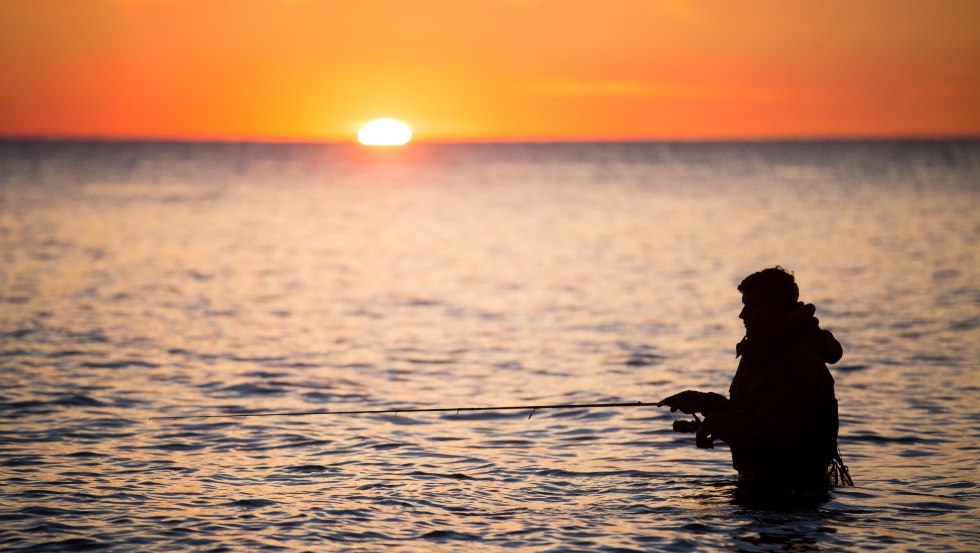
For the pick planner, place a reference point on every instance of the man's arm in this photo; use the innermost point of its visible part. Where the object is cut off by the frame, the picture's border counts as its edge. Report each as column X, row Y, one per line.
column 779, row 415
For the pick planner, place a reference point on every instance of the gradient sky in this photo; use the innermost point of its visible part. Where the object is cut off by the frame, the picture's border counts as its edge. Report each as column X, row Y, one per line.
column 490, row 70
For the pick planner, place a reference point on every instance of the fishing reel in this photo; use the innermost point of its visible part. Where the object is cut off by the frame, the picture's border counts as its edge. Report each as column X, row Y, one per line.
column 703, row 441
column 688, row 427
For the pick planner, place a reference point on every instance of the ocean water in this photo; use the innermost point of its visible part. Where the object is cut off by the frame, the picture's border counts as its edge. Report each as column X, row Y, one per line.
column 165, row 279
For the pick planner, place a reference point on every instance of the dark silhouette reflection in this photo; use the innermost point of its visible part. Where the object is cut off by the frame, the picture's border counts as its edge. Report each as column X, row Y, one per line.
column 780, row 419
column 766, row 496
column 768, row 517
column 781, row 518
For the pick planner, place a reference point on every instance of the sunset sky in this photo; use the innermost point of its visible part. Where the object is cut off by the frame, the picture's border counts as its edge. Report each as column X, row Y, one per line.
column 490, row 70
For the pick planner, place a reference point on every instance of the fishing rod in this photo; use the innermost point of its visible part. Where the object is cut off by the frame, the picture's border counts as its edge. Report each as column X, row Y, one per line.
column 457, row 410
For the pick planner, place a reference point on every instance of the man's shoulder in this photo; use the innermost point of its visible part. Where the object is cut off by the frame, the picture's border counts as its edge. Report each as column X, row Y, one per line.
column 819, row 347
column 803, row 363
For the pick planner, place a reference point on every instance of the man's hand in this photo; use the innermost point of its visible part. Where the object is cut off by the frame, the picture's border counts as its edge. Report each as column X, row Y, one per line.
column 688, row 402
column 704, row 438
column 691, row 401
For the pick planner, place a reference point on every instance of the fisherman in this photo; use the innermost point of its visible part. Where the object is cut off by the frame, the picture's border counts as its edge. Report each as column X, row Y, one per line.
column 780, row 419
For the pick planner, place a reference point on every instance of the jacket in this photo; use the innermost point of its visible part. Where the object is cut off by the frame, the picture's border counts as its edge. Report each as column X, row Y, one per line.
column 781, row 418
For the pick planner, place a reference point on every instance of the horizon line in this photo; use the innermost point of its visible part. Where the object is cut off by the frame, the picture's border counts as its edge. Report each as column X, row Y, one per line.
column 495, row 141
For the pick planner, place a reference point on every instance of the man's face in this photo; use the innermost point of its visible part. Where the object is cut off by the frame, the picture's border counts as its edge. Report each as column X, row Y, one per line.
column 759, row 317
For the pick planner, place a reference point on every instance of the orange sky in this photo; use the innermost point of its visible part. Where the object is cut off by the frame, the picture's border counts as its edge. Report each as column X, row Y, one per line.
column 462, row 70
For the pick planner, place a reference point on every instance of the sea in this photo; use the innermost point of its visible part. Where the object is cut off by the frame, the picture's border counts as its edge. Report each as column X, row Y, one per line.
column 165, row 279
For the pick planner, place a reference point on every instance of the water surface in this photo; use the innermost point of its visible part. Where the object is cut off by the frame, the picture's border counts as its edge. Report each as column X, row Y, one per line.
column 147, row 279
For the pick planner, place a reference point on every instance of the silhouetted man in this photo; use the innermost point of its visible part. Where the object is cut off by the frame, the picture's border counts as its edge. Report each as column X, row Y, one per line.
column 780, row 419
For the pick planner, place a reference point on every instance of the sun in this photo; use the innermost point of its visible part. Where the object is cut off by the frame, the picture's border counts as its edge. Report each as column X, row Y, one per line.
column 384, row 132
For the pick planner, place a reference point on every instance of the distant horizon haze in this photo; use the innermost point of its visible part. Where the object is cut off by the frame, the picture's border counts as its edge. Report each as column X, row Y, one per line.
column 352, row 141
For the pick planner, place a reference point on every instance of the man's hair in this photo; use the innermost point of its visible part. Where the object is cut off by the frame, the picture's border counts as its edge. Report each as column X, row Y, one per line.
column 774, row 286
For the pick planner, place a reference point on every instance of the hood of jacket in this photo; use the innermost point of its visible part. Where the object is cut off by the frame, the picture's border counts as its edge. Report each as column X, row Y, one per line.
column 799, row 326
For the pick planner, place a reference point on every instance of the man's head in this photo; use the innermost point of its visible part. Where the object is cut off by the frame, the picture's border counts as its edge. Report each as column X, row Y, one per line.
column 767, row 295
